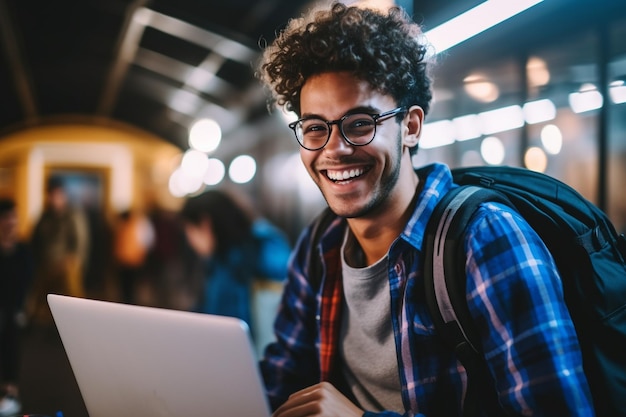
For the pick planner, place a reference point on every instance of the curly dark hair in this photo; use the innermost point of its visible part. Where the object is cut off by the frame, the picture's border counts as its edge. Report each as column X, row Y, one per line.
column 381, row 49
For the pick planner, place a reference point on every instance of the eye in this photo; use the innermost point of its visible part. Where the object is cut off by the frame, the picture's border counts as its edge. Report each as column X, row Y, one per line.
column 314, row 127
column 358, row 123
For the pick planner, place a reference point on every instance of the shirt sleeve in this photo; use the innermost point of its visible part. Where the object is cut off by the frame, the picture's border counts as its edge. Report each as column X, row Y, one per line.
column 292, row 361
column 516, row 299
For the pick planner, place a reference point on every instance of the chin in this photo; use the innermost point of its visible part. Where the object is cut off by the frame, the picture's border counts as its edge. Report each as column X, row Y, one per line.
column 348, row 212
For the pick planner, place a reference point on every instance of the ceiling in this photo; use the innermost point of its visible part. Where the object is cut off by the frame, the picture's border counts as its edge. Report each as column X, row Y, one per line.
column 158, row 65
column 155, row 64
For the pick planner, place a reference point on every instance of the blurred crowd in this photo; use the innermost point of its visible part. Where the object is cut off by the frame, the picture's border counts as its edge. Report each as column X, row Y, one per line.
column 137, row 257
column 215, row 256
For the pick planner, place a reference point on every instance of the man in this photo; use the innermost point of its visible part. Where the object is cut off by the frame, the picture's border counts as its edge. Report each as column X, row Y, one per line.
column 358, row 341
column 60, row 242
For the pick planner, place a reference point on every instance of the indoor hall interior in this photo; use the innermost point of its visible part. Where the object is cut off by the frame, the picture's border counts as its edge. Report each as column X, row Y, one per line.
column 138, row 105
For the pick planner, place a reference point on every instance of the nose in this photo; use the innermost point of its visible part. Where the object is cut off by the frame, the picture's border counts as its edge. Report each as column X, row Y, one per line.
column 336, row 141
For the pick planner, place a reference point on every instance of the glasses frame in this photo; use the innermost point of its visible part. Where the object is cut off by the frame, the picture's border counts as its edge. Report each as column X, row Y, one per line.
column 377, row 117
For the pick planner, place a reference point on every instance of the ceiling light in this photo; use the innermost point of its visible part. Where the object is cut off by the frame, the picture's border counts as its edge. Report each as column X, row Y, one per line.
column 537, row 72
column 242, row 169
column 181, row 183
column 587, row 98
column 475, row 21
column 492, row 150
column 539, row 111
column 215, row 172
column 535, row 159
column 437, row 134
column 552, row 139
column 467, row 127
column 499, row 120
column 617, row 91
column 480, row 88
column 205, row 135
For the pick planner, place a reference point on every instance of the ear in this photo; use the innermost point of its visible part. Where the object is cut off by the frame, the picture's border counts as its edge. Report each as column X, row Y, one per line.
column 412, row 126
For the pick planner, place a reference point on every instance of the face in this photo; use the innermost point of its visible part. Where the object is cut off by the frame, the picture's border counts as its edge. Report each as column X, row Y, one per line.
column 57, row 199
column 359, row 181
column 201, row 237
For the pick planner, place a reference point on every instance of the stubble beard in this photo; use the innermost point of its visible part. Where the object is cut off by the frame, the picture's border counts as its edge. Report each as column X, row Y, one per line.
column 380, row 194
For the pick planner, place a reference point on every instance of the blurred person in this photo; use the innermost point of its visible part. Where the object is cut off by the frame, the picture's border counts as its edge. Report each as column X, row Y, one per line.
column 359, row 340
column 171, row 267
column 238, row 250
column 134, row 237
column 16, row 271
column 98, row 264
column 60, row 242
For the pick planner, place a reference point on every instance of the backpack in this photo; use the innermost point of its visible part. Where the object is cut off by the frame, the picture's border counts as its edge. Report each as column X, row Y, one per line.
column 589, row 254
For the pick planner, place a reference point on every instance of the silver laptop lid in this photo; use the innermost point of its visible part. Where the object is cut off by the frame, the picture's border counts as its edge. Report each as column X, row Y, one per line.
column 140, row 361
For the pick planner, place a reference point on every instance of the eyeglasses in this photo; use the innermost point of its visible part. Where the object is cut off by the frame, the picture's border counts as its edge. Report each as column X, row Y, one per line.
column 358, row 129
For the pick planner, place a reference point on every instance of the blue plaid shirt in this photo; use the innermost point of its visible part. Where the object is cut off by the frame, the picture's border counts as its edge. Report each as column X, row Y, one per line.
column 514, row 296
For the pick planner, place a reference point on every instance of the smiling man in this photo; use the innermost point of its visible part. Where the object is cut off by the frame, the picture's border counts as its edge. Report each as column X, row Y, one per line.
column 358, row 340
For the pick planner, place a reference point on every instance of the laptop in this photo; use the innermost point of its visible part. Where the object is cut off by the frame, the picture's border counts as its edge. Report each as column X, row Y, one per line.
column 141, row 361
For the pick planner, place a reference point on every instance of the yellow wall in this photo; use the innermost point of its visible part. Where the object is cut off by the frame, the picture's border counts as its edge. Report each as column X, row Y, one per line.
column 135, row 164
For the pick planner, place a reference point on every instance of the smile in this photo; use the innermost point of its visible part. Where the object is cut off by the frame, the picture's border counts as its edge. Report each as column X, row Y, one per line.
column 344, row 175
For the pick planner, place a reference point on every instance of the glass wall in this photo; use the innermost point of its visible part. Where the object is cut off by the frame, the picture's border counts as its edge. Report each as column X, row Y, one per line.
column 616, row 136
column 549, row 107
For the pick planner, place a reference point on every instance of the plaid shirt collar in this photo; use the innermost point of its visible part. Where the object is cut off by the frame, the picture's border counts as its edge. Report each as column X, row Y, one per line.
column 437, row 180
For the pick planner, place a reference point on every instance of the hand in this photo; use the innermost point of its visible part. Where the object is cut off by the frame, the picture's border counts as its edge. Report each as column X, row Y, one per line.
column 320, row 400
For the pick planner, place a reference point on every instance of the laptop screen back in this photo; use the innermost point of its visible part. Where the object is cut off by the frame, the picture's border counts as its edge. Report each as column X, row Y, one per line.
column 142, row 361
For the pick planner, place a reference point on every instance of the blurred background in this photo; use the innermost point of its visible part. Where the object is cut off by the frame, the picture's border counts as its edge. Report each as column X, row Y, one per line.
column 109, row 92
column 138, row 104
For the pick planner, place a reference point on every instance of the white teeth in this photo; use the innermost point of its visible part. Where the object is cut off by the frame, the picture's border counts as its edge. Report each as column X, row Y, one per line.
column 344, row 175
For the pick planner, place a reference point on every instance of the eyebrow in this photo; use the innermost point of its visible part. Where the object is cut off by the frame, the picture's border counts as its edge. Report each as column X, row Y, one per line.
column 354, row 110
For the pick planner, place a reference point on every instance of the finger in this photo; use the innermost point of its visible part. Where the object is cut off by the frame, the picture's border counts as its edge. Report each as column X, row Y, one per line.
column 300, row 401
column 297, row 409
column 313, row 389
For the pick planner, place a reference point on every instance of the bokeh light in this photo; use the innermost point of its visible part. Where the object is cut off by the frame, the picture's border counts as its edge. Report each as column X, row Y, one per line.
column 205, row 135
column 242, row 169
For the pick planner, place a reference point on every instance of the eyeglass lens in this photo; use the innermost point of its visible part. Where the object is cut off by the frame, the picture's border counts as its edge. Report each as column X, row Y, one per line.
column 359, row 129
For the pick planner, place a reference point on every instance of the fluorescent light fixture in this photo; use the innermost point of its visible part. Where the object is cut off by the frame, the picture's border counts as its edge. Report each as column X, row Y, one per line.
column 499, row 120
column 617, row 91
column 586, row 99
column 475, row 21
column 539, row 111
column 184, row 102
column 437, row 134
column 467, row 127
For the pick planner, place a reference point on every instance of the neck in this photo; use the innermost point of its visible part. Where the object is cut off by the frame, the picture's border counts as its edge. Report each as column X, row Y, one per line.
column 375, row 234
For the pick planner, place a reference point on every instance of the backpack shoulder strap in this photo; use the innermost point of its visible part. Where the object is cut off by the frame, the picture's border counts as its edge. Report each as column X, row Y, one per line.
column 445, row 285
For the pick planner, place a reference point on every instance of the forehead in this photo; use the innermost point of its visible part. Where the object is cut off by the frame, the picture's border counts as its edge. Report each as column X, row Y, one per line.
column 334, row 93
